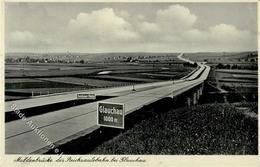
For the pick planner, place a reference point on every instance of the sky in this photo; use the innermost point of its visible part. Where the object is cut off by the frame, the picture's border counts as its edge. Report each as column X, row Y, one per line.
column 130, row 27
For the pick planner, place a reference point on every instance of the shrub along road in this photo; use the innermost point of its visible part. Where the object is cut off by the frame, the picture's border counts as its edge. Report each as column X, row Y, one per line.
column 204, row 129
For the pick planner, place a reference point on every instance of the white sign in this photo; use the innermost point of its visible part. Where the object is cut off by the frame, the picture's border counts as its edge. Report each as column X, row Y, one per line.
column 86, row 96
column 111, row 114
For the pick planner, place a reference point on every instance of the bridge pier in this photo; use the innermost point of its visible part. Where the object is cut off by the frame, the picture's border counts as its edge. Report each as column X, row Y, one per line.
column 254, row 97
column 194, row 96
column 198, row 94
column 201, row 89
column 194, row 100
column 225, row 99
column 188, row 102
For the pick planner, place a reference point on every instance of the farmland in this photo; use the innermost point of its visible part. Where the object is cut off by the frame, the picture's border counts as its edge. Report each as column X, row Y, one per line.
column 95, row 83
column 235, row 73
column 241, row 84
column 237, row 78
column 243, row 58
column 36, row 74
column 32, row 75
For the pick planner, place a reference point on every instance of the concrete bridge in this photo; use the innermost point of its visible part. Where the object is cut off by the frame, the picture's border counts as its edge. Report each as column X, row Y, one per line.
column 63, row 125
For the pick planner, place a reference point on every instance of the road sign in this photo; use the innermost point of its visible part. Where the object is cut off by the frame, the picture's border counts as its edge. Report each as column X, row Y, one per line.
column 86, row 96
column 111, row 114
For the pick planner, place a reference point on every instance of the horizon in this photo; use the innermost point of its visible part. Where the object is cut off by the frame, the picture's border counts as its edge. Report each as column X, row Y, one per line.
column 134, row 52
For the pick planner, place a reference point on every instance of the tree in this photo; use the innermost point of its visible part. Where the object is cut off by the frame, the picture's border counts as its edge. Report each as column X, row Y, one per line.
column 228, row 66
column 234, row 66
column 81, row 61
column 220, row 66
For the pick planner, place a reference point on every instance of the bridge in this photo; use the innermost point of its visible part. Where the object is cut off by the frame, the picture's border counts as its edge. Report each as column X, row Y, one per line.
column 63, row 125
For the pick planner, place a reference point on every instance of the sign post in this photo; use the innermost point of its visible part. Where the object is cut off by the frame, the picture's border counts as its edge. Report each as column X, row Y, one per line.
column 111, row 114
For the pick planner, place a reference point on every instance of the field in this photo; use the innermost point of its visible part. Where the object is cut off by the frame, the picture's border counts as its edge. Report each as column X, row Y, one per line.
column 95, row 83
column 224, row 57
column 26, row 79
column 119, row 69
column 97, row 57
column 242, row 81
column 126, row 78
column 206, row 129
column 235, row 73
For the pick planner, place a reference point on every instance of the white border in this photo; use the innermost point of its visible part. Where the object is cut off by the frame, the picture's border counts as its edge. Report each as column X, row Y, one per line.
column 7, row 160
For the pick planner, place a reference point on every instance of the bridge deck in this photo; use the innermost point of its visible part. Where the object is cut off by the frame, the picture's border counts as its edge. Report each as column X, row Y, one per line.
column 63, row 97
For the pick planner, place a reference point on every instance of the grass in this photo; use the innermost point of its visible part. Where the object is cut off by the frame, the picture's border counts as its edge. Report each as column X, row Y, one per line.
column 43, row 84
column 21, row 80
column 220, row 57
column 47, row 73
column 206, row 129
column 86, row 81
column 252, row 107
column 51, row 70
column 235, row 71
column 54, row 78
column 38, row 91
column 126, row 78
column 241, row 81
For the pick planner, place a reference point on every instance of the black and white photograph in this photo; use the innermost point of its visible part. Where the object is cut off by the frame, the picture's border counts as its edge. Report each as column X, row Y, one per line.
column 130, row 78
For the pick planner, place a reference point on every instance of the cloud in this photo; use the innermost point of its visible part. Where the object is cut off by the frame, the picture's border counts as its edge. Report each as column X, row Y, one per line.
column 171, row 29
column 28, row 41
column 176, row 25
column 20, row 38
column 169, row 25
column 195, row 35
column 101, row 25
column 148, row 27
column 227, row 37
column 228, row 33
column 175, row 18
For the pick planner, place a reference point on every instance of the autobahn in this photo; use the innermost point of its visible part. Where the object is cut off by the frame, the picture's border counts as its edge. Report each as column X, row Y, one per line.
column 59, row 126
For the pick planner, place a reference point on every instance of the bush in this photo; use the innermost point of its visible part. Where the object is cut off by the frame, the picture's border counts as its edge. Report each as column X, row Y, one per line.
column 206, row 129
